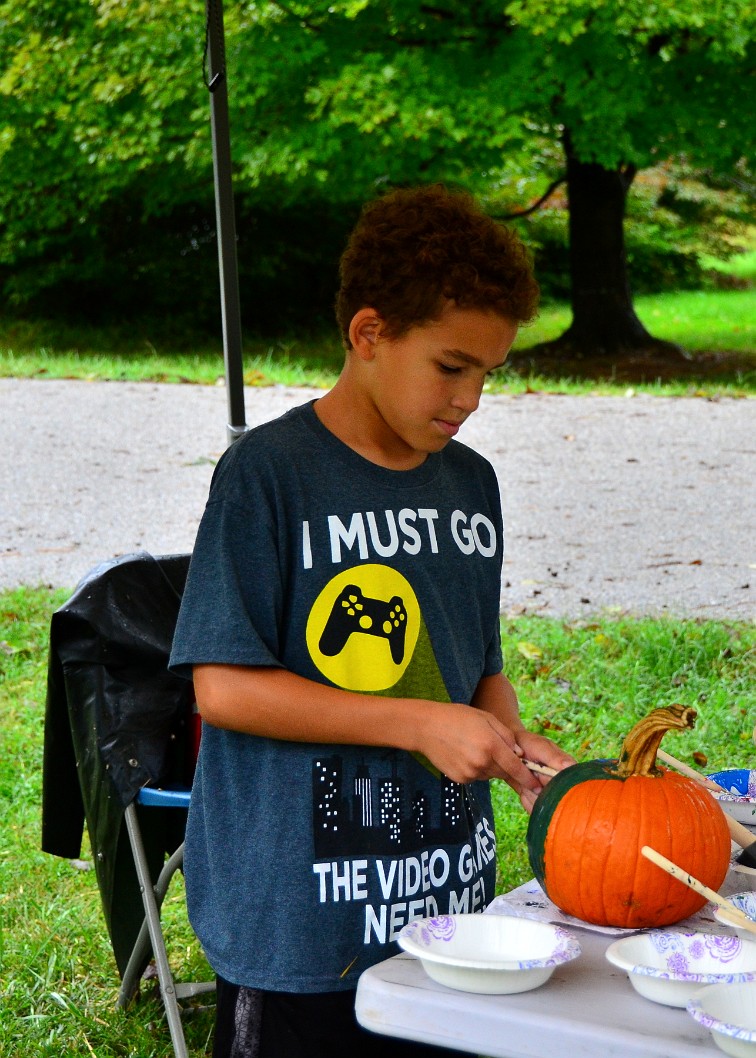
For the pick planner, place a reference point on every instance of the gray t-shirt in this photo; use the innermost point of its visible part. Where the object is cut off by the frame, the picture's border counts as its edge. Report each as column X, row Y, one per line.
column 303, row 861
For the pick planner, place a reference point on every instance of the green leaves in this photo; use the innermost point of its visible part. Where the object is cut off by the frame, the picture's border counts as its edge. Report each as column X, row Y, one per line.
column 104, row 100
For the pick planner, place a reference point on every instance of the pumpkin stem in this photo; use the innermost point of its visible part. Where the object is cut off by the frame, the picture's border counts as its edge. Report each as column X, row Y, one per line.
column 638, row 753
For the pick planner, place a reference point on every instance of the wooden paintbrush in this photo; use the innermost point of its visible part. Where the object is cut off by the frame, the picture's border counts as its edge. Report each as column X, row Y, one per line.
column 733, row 914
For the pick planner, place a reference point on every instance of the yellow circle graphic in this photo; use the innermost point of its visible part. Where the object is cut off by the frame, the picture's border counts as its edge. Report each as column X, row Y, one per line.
column 363, row 627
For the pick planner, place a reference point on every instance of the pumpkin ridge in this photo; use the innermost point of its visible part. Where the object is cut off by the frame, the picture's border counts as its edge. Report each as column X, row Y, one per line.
column 587, row 871
column 618, row 885
column 671, row 883
column 707, row 838
column 607, row 867
column 701, row 839
column 564, row 840
column 644, row 879
column 684, row 800
column 559, row 832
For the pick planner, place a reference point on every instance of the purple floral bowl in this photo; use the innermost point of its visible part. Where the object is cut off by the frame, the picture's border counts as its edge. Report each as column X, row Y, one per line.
column 729, row 1013
column 668, row 966
column 490, row 954
column 745, row 902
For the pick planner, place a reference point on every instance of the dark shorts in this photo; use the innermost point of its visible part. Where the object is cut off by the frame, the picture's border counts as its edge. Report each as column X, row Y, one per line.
column 254, row 1024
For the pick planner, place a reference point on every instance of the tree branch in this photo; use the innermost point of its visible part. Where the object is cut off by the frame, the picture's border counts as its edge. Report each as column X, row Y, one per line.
column 536, row 205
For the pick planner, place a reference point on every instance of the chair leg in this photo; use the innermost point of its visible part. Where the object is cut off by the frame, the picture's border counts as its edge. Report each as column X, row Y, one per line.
column 155, row 933
column 142, row 946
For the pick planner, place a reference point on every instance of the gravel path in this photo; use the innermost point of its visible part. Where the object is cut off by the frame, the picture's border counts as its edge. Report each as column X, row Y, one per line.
column 644, row 504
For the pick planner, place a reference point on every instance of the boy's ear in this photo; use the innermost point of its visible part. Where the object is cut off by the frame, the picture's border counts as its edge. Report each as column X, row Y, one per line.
column 364, row 332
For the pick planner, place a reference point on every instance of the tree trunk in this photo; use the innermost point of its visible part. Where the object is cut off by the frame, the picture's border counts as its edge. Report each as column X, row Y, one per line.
column 604, row 323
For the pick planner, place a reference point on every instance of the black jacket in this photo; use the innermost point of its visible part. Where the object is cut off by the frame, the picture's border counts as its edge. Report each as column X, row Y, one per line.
column 116, row 719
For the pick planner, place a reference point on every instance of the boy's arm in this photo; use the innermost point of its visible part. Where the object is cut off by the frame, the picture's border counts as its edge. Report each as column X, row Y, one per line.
column 463, row 743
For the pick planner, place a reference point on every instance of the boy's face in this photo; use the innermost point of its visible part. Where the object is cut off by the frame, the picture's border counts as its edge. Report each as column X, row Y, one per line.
column 422, row 386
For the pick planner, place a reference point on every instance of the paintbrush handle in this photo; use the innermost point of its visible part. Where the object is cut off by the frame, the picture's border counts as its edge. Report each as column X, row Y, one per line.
column 739, row 833
column 686, row 769
column 693, row 883
column 540, row 768
column 736, row 920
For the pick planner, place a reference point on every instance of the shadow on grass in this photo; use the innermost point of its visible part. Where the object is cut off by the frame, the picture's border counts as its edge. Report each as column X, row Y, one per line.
column 648, row 366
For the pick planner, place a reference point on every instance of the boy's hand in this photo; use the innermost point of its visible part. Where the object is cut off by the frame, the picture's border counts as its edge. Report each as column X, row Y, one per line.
column 468, row 744
column 540, row 750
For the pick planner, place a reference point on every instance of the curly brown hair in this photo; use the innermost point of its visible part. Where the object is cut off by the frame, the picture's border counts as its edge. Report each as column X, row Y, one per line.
column 415, row 248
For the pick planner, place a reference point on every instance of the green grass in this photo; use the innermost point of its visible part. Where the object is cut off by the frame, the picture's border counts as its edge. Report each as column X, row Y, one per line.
column 741, row 266
column 584, row 683
column 700, row 321
column 704, row 323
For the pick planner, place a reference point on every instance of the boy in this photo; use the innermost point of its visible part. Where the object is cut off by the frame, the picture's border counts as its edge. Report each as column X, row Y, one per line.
column 341, row 620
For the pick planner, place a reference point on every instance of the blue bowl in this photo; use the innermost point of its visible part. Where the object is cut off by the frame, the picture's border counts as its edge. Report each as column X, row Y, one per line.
column 737, row 780
column 740, row 799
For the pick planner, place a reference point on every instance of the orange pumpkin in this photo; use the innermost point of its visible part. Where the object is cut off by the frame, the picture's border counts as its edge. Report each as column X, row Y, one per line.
column 590, row 822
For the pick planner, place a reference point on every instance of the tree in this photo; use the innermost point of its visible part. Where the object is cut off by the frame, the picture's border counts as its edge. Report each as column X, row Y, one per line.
column 95, row 110
column 339, row 99
column 634, row 83
column 395, row 91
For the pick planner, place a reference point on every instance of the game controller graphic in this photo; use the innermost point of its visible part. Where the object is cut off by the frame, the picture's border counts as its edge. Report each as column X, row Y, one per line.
column 355, row 612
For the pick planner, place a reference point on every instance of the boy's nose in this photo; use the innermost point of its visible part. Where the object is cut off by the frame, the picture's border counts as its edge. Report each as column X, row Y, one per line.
column 467, row 399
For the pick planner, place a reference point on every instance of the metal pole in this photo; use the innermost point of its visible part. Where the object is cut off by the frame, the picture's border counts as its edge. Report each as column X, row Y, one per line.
column 225, row 222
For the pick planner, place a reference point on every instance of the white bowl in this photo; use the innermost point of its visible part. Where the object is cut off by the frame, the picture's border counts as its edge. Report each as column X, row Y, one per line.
column 668, row 966
column 729, row 1011
column 747, row 903
column 740, row 799
column 491, row 954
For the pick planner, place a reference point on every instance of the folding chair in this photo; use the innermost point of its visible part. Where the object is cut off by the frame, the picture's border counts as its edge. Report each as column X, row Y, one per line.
column 150, row 936
column 121, row 735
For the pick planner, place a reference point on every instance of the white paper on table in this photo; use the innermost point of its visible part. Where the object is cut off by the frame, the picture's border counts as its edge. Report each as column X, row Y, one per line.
column 530, row 901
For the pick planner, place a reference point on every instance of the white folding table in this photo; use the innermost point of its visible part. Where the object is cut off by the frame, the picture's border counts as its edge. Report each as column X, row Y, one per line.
column 587, row 1009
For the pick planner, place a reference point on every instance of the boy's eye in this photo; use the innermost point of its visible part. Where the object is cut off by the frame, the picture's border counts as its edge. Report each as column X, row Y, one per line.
column 449, row 369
